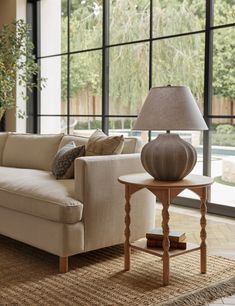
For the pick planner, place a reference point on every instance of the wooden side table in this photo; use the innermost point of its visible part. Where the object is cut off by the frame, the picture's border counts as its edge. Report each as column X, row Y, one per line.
column 166, row 192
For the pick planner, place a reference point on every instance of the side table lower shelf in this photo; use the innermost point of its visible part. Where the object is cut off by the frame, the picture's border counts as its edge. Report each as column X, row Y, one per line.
column 166, row 192
column 141, row 245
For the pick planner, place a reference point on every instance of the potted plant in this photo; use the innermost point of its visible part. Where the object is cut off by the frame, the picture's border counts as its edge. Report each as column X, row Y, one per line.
column 17, row 64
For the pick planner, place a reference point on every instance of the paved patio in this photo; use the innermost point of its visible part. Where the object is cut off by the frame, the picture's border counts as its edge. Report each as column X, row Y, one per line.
column 220, row 193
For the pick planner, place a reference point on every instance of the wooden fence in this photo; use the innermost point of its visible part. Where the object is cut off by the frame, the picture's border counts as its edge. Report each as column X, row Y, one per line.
column 223, row 106
column 84, row 103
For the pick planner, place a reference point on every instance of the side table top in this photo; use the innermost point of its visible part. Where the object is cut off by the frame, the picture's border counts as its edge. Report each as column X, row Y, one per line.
column 146, row 180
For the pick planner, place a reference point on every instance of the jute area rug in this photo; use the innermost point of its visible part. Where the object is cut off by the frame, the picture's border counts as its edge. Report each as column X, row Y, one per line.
column 29, row 276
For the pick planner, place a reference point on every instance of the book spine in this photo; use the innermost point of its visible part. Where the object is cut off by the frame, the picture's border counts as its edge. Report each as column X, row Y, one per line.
column 173, row 245
column 160, row 237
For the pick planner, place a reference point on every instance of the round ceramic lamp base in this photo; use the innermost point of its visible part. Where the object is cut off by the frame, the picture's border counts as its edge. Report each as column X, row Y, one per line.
column 168, row 157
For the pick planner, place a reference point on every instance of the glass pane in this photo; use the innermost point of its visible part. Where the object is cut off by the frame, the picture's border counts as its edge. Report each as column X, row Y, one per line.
column 224, row 12
column 86, row 83
column 54, row 95
column 85, row 126
column 177, row 16
column 129, row 20
column 53, row 125
column 123, row 126
column 85, row 24
column 53, row 27
column 196, row 139
column 128, row 87
column 223, row 161
column 180, row 61
column 223, row 102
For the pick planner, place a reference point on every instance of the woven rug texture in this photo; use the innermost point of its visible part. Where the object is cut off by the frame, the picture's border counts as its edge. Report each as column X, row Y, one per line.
column 30, row 277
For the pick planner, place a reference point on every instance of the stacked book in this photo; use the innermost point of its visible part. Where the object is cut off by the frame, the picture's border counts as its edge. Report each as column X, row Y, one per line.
column 155, row 239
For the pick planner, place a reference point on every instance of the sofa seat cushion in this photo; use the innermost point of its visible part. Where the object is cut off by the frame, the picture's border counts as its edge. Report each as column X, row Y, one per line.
column 38, row 193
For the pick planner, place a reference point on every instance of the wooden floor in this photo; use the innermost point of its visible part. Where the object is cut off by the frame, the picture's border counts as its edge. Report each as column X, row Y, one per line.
column 220, row 234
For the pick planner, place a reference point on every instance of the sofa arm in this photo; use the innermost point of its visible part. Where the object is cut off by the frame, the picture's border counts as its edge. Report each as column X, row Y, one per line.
column 97, row 187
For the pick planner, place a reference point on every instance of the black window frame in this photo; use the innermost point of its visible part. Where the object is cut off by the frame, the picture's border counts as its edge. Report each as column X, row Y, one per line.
column 33, row 121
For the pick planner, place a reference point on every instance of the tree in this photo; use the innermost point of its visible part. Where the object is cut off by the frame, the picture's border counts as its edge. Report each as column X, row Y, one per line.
column 85, row 33
column 17, row 64
column 224, row 50
column 176, row 61
column 179, row 60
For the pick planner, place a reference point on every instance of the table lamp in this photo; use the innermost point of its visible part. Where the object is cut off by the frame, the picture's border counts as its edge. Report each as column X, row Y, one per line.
column 169, row 157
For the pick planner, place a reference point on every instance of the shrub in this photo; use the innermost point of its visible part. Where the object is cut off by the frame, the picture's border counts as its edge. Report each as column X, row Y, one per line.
column 225, row 129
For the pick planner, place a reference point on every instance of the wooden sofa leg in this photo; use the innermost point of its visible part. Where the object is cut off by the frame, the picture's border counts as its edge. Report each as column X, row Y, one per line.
column 64, row 264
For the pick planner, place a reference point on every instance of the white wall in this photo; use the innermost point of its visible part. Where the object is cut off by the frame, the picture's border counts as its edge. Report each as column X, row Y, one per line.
column 7, row 15
column 51, row 67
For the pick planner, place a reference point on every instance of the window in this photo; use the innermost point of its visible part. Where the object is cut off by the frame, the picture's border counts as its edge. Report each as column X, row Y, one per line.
column 101, row 57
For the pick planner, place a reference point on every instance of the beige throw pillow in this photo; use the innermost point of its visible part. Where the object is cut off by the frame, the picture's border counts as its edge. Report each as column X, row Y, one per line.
column 101, row 144
column 63, row 165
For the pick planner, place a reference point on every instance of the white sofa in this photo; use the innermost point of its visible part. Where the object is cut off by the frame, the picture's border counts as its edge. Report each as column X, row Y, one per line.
column 66, row 217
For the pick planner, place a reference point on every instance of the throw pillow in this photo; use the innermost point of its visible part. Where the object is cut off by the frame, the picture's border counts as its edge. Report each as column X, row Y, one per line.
column 63, row 165
column 101, row 144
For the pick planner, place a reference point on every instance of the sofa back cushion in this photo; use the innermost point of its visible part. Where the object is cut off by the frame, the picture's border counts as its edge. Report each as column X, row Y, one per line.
column 3, row 138
column 31, row 151
column 131, row 144
column 101, row 144
column 78, row 140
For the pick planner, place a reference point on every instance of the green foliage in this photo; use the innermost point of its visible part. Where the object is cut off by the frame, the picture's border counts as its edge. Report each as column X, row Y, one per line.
column 174, row 17
column 17, row 63
column 179, row 61
column 128, row 123
column 92, row 124
column 128, row 85
column 223, row 135
column 224, row 140
column 85, row 33
column 176, row 61
column 225, row 129
column 224, row 50
column 129, row 20
column 224, row 63
column 115, row 124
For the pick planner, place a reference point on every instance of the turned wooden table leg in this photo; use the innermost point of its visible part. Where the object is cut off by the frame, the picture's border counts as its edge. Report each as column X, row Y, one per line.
column 203, row 233
column 166, row 242
column 127, row 249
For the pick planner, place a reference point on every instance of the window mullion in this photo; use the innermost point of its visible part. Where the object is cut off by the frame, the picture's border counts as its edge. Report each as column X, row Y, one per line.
column 105, row 67
column 208, row 87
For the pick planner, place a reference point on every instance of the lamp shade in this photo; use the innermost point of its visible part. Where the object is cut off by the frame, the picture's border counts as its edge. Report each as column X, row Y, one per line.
column 170, row 108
